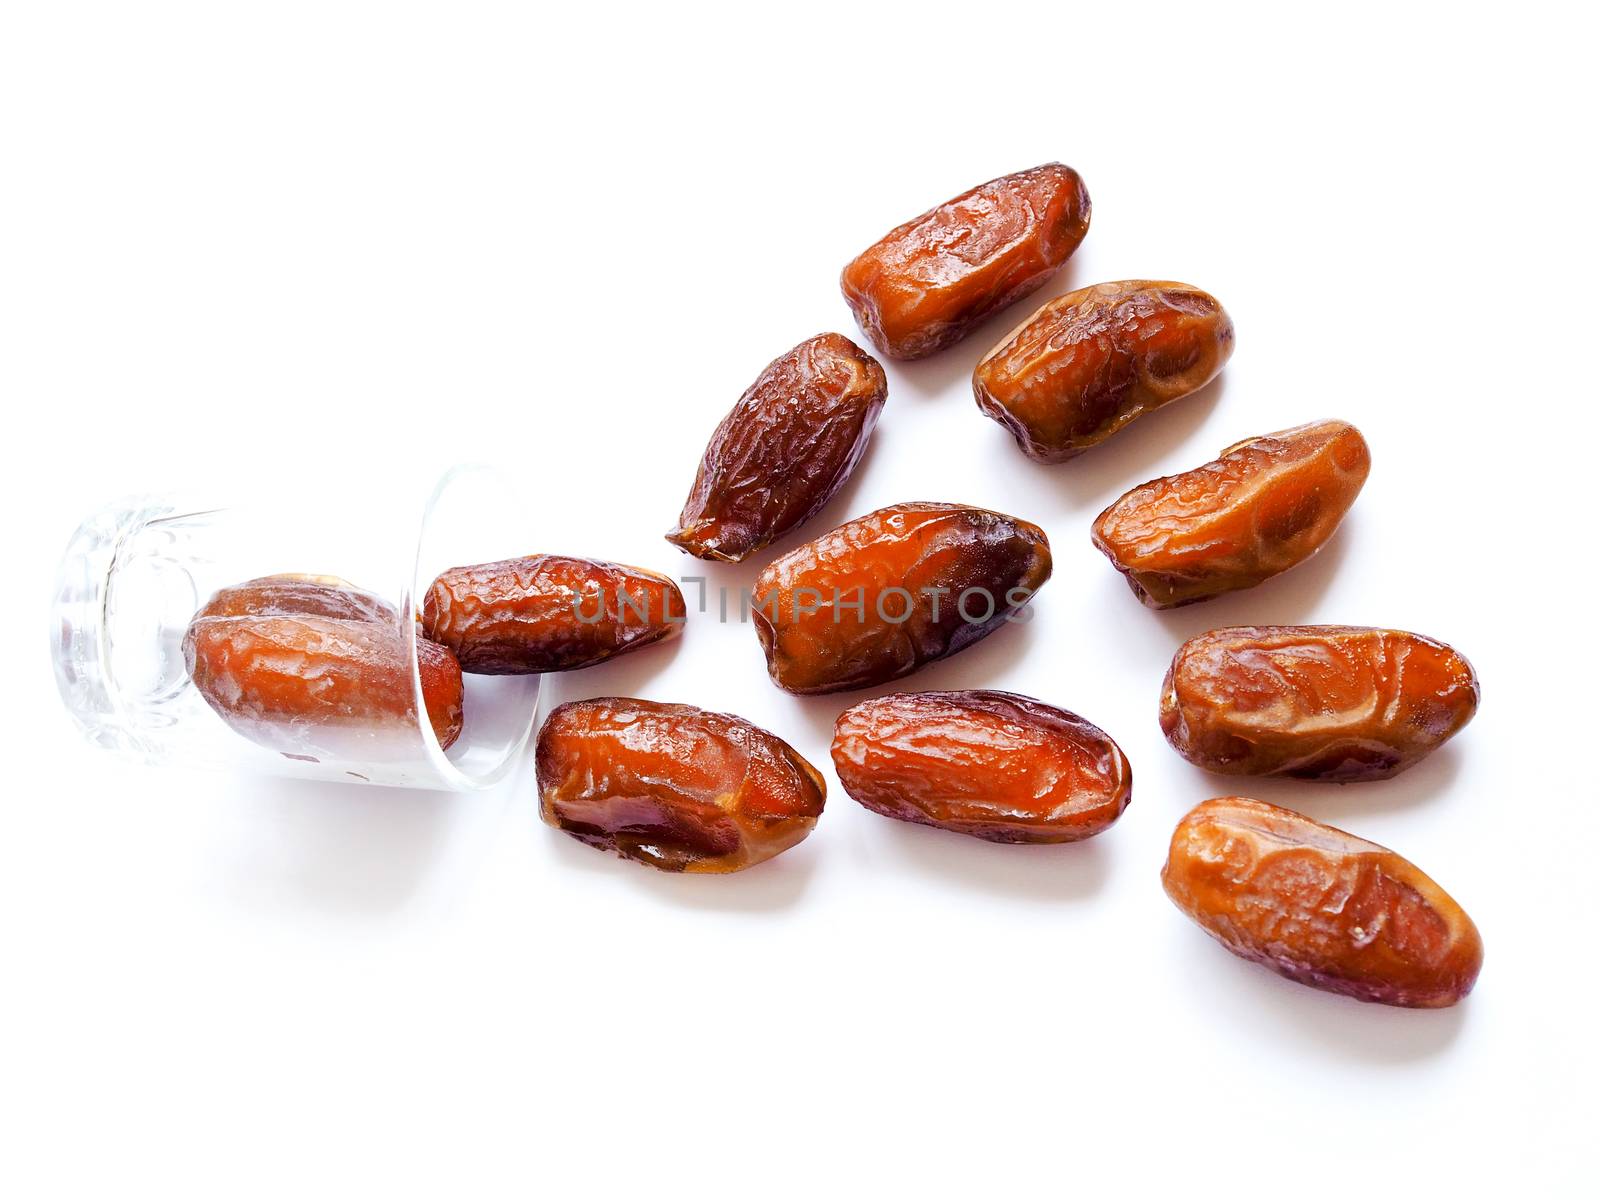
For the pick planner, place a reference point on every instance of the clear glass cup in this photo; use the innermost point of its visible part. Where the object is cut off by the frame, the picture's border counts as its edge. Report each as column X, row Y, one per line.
column 136, row 572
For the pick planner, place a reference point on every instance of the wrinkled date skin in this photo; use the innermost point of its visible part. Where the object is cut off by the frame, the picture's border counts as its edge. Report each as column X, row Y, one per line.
column 674, row 787
column 993, row 765
column 545, row 612
column 1087, row 364
column 315, row 685
column 1267, row 504
column 785, row 449
column 892, row 591
column 1320, row 906
column 925, row 284
column 306, row 595
column 1339, row 703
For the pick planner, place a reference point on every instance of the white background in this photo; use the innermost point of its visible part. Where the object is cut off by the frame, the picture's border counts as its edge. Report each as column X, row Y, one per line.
column 261, row 242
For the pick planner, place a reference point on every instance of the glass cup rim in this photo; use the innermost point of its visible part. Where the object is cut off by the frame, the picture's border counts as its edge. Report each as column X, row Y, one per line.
column 410, row 616
column 82, row 652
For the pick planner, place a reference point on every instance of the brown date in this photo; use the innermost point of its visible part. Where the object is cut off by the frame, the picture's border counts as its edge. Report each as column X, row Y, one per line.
column 1320, row 906
column 788, row 445
column 1265, row 505
column 672, row 786
column 925, row 284
column 892, row 591
column 291, row 595
column 546, row 612
column 1089, row 363
column 318, row 684
column 1326, row 702
column 994, row 765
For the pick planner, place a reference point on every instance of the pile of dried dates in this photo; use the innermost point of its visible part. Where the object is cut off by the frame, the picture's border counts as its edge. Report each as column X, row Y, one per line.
column 879, row 597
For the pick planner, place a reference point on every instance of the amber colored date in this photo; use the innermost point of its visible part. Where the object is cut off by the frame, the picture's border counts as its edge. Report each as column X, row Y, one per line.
column 1267, row 504
column 1087, row 364
column 994, row 765
column 1320, row 906
column 788, row 445
column 892, row 591
column 1326, row 702
column 319, row 684
column 674, row 787
column 442, row 690
column 925, row 284
column 546, row 612
column 305, row 595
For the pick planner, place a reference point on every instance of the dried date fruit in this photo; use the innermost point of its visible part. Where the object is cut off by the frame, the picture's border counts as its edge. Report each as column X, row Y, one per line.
column 320, row 685
column 1326, row 702
column 892, row 591
column 307, row 595
column 994, row 765
column 1320, row 906
column 1265, row 505
column 788, row 445
column 672, row 786
column 442, row 690
column 1087, row 364
column 547, row 612
column 925, row 284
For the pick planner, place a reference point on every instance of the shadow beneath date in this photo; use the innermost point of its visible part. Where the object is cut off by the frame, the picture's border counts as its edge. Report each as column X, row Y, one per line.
column 1343, row 804
column 950, row 370
column 1047, row 873
column 626, row 675
column 1051, row 874
column 1096, row 478
column 975, row 667
column 1271, row 1009
column 773, row 885
column 337, row 849
column 1287, row 599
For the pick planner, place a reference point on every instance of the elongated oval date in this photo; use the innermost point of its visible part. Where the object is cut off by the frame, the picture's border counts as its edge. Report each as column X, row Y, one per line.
column 892, row 591
column 925, row 284
column 291, row 595
column 672, row 786
column 320, row 685
column 1090, row 362
column 994, row 765
column 1320, row 906
column 1267, row 504
column 785, row 449
column 1326, row 702
column 546, row 612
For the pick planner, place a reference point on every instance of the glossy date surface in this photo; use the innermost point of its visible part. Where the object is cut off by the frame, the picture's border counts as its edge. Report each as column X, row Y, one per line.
column 892, row 591
column 308, row 595
column 1320, row 906
column 672, row 786
column 548, row 612
column 993, row 765
column 1090, row 362
column 925, row 284
column 316, row 685
column 1327, row 702
column 788, row 445
column 1265, row 505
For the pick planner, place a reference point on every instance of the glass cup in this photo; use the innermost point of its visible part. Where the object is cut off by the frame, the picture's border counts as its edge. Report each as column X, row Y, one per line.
column 136, row 573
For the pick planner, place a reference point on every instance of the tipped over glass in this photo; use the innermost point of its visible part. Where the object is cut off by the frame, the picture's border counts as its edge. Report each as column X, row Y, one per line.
column 137, row 573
